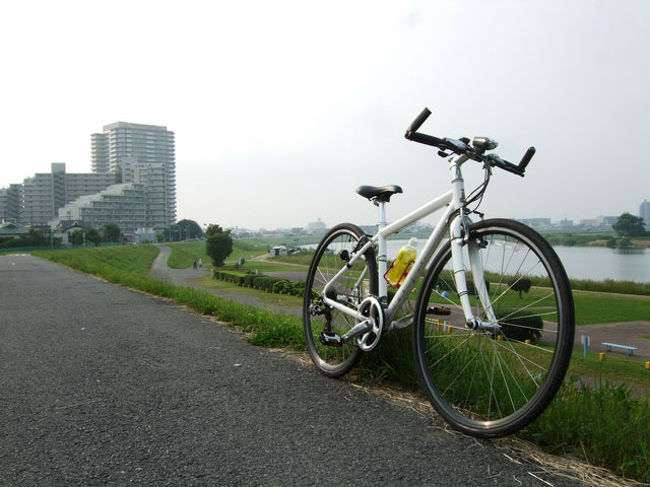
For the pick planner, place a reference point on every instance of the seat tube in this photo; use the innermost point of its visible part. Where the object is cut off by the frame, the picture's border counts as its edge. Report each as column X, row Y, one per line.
column 382, row 259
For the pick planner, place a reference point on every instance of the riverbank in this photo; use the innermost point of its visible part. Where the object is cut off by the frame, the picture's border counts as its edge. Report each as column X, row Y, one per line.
column 597, row 240
column 634, row 243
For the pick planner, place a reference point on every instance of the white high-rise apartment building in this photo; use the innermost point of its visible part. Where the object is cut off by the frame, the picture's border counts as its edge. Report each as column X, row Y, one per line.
column 142, row 154
column 644, row 212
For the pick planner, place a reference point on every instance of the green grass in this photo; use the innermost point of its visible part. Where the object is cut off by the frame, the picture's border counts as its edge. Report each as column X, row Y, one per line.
column 606, row 421
column 595, row 307
column 279, row 299
column 618, row 369
column 109, row 262
column 599, row 420
column 184, row 253
column 608, row 308
column 303, row 258
column 611, row 286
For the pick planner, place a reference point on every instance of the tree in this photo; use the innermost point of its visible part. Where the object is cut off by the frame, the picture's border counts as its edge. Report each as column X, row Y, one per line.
column 629, row 226
column 111, row 233
column 218, row 244
column 92, row 235
column 85, row 235
column 183, row 230
column 37, row 238
column 521, row 284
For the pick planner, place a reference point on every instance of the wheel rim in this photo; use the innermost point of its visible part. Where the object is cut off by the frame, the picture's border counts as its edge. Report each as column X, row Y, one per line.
column 496, row 382
column 357, row 282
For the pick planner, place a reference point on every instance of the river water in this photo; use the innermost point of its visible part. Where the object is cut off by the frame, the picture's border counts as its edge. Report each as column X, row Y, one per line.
column 596, row 263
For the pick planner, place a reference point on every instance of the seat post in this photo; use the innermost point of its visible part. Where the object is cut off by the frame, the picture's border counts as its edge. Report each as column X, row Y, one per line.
column 382, row 258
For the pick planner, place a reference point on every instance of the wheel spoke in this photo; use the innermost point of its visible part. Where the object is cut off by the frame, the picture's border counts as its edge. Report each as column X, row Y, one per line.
column 493, row 383
column 326, row 264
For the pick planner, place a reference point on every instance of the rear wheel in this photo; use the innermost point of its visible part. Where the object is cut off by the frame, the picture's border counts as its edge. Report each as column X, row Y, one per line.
column 494, row 382
column 357, row 282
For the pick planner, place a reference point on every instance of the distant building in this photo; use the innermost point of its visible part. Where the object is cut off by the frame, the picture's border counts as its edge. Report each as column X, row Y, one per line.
column 10, row 203
column 121, row 204
column 125, row 153
column 44, row 193
column 143, row 154
column 644, row 212
column 11, row 230
column 278, row 250
column 316, row 228
column 601, row 222
column 539, row 223
column 144, row 235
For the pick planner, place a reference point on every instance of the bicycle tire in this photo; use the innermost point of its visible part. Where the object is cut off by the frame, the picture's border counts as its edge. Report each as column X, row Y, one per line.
column 490, row 384
column 327, row 261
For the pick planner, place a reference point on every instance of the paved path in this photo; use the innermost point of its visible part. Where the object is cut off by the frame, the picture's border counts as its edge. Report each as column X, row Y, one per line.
column 632, row 333
column 101, row 385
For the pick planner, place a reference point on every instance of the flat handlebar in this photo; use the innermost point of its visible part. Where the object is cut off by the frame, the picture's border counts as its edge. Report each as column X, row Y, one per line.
column 461, row 147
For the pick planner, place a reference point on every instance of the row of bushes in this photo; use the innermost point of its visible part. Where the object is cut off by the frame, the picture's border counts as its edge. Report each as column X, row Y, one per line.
column 269, row 284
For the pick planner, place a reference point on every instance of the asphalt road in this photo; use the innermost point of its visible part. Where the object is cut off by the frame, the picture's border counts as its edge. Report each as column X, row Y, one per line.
column 101, row 385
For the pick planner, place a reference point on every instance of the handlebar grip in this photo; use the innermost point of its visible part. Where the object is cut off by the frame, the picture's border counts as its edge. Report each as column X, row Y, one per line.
column 526, row 159
column 415, row 125
column 426, row 139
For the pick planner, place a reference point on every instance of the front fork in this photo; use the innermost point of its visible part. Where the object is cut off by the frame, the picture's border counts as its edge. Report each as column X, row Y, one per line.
column 460, row 239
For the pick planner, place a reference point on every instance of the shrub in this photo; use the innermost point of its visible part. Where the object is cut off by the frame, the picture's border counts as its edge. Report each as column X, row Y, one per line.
column 521, row 284
column 282, row 286
column 248, row 280
column 230, row 277
column 269, row 284
column 298, row 288
column 265, row 283
column 522, row 327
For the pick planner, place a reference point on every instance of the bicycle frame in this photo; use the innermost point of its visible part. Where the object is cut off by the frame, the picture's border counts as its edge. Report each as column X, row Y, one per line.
column 454, row 219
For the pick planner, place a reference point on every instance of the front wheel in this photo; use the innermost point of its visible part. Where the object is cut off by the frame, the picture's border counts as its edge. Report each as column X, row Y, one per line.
column 490, row 383
column 356, row 282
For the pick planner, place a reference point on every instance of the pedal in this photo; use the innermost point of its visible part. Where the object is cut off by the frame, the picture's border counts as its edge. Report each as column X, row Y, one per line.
column 330, row 339
column 438, row 310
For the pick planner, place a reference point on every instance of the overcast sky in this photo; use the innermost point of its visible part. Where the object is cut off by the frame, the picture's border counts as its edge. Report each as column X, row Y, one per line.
column 281, row 109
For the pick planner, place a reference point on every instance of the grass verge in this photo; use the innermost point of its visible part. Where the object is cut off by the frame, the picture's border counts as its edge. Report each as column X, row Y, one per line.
column 597, row 421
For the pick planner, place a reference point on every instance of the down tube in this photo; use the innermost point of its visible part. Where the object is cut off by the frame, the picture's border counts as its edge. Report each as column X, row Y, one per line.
column 425, row 257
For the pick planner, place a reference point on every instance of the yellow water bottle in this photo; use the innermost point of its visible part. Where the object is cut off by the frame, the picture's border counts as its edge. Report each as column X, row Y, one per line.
column 401, row 265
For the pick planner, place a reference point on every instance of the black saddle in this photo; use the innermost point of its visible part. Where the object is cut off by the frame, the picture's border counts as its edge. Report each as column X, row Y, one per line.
column 378, row 193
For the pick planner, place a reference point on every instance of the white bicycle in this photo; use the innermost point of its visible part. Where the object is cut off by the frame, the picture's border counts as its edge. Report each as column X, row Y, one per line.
column 493, row 319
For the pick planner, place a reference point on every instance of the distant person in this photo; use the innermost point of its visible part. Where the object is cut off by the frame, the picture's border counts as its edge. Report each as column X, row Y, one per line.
column 200, row 263
column 194, row 264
